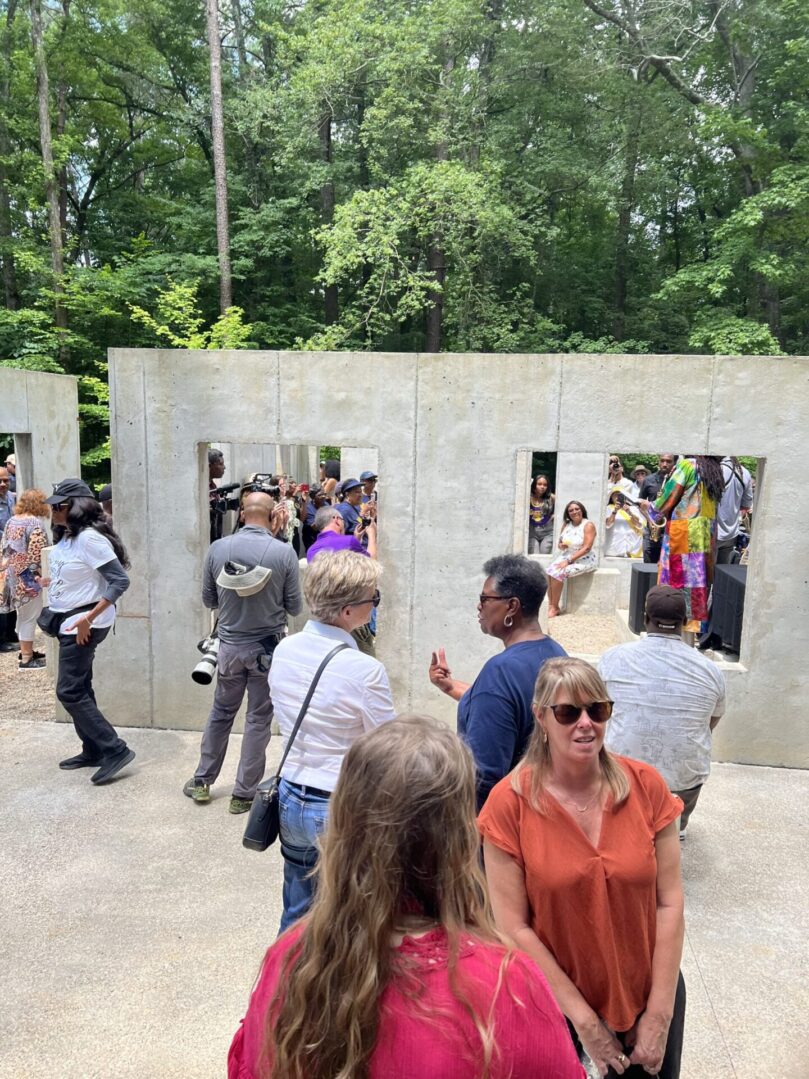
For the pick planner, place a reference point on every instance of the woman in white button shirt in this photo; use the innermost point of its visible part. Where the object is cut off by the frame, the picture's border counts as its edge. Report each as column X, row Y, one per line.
column 352, row 696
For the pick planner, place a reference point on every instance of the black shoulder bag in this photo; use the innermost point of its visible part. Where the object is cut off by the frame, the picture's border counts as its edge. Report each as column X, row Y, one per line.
column 263, row 823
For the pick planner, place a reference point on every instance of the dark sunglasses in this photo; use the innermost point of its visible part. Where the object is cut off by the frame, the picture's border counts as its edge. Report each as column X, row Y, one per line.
column 568, row 714
column 61, row 506
column 374, row 599
column 483, row 598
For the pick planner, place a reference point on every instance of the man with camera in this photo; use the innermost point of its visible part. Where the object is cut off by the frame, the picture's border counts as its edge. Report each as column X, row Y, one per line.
column 253, row 580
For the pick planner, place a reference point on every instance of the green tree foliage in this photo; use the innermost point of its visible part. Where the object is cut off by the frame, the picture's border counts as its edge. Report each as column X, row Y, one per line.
column 488, row 175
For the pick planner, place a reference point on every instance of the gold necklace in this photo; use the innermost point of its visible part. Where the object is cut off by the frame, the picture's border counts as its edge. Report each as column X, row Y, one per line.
column 583, row 809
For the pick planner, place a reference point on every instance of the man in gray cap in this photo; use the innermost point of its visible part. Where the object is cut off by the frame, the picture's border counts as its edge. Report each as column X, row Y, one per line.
column 667, row 699
column 253, row 580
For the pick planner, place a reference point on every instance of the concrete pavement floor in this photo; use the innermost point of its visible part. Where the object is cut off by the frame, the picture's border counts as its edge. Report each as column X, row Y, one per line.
column 135, row 922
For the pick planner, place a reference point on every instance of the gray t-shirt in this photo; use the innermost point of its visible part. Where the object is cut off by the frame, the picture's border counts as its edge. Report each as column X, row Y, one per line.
column 248, row 619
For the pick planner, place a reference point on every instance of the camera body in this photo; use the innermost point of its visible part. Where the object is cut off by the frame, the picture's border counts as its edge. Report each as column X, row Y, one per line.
column 260, row 481
column 205, row 670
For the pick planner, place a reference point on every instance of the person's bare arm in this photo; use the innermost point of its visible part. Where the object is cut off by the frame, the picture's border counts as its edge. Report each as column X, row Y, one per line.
column 652, row 1028
column 589, row 540
column 370, row 532
column 511, row 908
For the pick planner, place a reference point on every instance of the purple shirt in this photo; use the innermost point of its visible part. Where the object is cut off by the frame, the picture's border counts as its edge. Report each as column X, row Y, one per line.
column 334, row 541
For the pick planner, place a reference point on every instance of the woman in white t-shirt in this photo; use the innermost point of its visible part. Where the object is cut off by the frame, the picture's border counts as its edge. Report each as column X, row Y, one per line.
column 87, row 576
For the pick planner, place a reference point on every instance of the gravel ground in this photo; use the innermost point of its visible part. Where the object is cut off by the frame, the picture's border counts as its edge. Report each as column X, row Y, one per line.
column 26, row 695
column 583, row 634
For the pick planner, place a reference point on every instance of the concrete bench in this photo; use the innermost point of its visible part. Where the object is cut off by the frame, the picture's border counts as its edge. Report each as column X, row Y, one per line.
column 592, row 593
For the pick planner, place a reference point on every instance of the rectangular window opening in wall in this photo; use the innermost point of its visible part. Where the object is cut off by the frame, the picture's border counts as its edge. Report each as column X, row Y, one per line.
column 643, row 546
column 300, row 479
column 541, row 502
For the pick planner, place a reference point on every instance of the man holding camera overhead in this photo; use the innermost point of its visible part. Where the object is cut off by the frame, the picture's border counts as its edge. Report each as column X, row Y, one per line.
column 253, row 580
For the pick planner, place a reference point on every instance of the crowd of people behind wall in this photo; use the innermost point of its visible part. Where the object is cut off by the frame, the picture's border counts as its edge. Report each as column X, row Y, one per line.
column 401, row 951
column 688, row 516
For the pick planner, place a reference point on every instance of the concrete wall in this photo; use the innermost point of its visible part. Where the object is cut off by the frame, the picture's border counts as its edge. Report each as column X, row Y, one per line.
column 42, row 412
column 453, row 434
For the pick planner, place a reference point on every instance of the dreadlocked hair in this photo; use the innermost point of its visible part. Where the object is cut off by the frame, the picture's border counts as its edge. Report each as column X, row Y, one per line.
column 401, row 838
column 712, row 476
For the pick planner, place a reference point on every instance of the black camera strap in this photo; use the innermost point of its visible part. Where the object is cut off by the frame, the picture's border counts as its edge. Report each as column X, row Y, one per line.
column 306, row 702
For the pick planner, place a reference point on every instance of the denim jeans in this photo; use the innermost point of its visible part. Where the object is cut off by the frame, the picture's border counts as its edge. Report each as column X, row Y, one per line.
column 303, row 818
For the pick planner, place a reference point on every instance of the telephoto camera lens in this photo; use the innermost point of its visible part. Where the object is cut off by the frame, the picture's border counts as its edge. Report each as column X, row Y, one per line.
column 206, row 668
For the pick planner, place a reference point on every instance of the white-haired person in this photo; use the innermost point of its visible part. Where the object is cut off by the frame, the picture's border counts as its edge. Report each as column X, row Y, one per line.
column 582, row 860
column 352, row 696
column 398, row 972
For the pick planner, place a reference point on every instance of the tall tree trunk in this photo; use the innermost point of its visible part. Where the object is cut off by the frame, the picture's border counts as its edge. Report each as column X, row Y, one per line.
column 435, row 255
column 52, row 194
column 626, row 206
column 331, row 309
column 10, row 291
column 219, row 161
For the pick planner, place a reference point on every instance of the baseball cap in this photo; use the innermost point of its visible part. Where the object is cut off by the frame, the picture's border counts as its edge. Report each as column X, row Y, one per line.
column 665, row 606
column 105, row 494
column 67, row 489
column 348, row 485
column 367, row 476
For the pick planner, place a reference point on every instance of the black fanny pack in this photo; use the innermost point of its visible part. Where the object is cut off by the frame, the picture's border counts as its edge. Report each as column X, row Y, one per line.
column 50, row 621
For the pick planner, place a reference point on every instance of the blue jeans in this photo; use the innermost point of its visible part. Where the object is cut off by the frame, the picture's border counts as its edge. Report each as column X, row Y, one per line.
column 303, row 818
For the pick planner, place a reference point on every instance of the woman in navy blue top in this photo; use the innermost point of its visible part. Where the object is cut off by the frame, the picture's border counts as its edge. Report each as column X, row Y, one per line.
column 494, row 713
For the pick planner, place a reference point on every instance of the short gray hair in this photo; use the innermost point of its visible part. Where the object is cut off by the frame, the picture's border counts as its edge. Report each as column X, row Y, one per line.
column 324, row 517
column 336, row 578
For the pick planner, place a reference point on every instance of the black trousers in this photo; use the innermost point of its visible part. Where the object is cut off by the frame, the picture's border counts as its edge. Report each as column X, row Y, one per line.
column 74, row 690
column 670, row 1068
column 651, row 548
column 8, row 627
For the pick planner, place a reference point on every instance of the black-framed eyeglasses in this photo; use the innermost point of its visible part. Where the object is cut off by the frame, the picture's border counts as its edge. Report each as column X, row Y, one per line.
column 483, row 598
column 568, row 714
column 375, row 598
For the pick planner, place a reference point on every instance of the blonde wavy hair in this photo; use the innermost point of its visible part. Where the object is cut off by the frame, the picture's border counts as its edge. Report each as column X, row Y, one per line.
column 584, row 684
column 401, row 838
column 335, row 578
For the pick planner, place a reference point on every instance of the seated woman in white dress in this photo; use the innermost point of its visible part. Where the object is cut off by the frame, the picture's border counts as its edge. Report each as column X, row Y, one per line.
column 624, row 535
column 576, row 555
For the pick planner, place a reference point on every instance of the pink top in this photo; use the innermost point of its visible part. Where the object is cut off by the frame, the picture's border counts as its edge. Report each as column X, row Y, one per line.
column 530, row 1032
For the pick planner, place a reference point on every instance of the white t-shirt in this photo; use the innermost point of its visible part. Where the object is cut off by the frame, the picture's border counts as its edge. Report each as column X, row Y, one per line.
column 665, row 695
column 75, row 580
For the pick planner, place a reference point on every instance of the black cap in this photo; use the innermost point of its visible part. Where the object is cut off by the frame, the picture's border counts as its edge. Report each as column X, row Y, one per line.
column 67, row 489
column 666, row 607
column 105, row 494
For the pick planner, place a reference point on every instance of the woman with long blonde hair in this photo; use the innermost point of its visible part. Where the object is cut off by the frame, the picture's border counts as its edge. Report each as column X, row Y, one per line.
column 583, row 864
column 397, row 970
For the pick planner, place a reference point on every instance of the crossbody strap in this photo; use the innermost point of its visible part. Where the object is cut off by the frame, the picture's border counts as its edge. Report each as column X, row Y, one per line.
column 306, row 701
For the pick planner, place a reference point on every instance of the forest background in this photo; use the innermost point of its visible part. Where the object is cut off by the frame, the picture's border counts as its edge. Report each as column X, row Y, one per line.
column 400, row 175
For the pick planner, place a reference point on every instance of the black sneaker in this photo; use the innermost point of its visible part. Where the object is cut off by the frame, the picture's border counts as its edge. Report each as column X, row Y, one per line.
column 111, row 766
column 35, row 663
column 80, row 761
column 10, row 646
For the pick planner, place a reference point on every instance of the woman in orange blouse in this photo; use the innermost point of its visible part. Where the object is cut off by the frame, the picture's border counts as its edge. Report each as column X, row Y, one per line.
column 583, row 863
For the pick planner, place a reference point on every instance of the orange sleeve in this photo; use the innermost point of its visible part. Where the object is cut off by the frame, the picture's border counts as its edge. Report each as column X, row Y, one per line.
column 499, row 820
